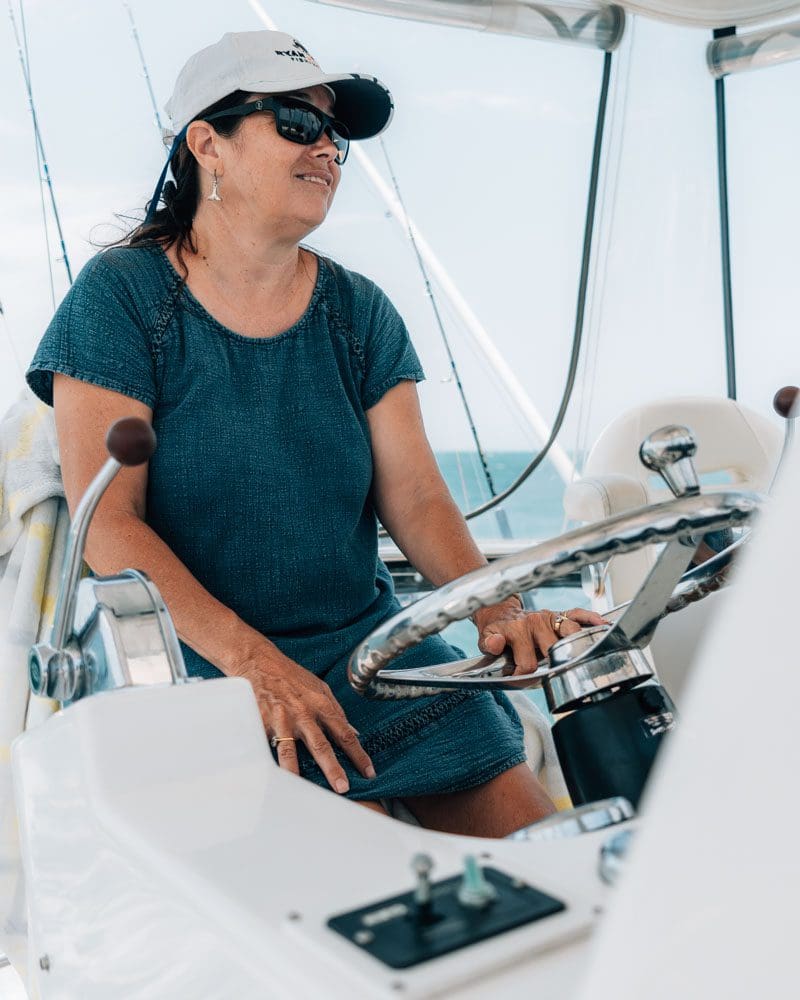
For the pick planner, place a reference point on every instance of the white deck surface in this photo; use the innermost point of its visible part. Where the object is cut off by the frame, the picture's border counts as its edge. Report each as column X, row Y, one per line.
column 11, row 987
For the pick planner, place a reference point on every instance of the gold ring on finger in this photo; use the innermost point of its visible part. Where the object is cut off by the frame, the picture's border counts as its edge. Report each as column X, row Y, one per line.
column 558, row 621
column 281, row 739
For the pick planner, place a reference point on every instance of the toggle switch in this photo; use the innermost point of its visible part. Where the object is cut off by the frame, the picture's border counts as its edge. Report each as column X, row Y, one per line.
column 421, row 865
column 475, row 892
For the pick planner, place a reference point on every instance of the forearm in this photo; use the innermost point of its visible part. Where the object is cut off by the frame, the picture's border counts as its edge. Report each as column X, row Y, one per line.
column 434, row 537
column 436, row 540
column 218, row 634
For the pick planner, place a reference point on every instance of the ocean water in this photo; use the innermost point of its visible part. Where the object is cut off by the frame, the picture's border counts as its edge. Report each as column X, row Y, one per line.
column 534, row 511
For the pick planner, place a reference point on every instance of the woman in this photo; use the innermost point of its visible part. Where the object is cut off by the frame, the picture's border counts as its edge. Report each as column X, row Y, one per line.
column 282, row 391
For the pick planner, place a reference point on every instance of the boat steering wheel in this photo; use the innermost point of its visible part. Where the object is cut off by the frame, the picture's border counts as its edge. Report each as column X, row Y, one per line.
column 595, row 659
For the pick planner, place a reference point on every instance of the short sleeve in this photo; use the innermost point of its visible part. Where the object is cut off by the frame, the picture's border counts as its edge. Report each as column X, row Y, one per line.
column 389, row 354
column 97, row 335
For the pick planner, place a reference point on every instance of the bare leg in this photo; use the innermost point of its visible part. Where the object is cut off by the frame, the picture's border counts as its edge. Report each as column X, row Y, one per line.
column 374, row 806
column 506, row 803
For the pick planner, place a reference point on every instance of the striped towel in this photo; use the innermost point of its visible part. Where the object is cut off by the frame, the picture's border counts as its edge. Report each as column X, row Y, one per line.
column 34, row 523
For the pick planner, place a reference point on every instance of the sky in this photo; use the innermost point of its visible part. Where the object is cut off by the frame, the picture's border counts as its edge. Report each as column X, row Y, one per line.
column 490, row 144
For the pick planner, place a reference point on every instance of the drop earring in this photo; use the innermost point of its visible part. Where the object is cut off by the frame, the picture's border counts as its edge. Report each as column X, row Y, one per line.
column 214, row 196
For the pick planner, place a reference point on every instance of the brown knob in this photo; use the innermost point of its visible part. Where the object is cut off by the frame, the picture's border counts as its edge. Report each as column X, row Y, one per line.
column 131, row 441
column 786, row 402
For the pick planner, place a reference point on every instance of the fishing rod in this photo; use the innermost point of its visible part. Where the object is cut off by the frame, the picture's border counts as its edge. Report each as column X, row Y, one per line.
column 143, row 61
column 44, row 172
column 502, row 517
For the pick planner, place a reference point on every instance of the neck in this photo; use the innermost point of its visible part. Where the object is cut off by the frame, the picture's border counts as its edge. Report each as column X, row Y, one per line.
column 242, row 256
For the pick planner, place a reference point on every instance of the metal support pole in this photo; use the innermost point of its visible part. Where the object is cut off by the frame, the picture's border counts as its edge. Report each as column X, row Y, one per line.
column 724, row 220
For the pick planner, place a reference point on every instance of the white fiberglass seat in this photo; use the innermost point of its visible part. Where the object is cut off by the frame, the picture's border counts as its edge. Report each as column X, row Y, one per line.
column 735, row 447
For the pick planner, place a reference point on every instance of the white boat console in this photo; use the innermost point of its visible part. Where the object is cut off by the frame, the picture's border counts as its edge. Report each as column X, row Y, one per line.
column 167, row 855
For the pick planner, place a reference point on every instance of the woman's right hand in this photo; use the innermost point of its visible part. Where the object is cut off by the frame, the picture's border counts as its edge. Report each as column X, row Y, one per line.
column 294, row 703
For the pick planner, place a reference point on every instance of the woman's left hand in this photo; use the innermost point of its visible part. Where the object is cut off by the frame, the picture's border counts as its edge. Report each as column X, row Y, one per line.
column 530, row 634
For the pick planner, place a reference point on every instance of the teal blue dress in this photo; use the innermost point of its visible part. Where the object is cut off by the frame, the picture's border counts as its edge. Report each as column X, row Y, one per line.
column 261, row 486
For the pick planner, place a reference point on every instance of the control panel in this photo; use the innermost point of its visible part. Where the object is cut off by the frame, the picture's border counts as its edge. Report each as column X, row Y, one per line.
column 436, row 918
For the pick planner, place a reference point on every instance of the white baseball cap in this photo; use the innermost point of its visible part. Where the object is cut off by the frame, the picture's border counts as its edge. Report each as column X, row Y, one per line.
column 271, row 62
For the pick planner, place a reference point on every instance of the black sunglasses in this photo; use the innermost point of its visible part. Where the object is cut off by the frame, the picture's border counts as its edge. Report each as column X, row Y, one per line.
column 295, row 120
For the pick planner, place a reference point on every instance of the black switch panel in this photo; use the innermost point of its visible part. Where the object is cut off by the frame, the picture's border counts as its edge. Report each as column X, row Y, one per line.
column 395, row 931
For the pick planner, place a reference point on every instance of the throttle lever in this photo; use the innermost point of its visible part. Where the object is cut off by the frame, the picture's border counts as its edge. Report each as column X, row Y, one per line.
column 787, row 405
column 54, row 667
column 130, row 442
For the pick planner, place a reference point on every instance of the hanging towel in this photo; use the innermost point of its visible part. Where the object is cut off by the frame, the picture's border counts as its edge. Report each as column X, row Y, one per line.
column 541, row 750
column 34, row 523
column 29, row 466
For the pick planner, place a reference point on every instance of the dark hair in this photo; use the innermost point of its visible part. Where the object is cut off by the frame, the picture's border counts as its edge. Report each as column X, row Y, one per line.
column 172, row 224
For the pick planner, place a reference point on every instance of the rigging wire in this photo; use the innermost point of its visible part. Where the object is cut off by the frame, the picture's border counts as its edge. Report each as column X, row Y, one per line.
column 42, row 203
column 513, row 413
column 581, row 307
column 608, row 204
column 143, row 61
column 40, row 153
column 487, row 473
column 45, row 227
column 43, row 206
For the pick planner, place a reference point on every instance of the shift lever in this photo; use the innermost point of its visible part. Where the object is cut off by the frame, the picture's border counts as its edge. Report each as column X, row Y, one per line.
column 669, row 452
column 56, row 668
column 787, row 405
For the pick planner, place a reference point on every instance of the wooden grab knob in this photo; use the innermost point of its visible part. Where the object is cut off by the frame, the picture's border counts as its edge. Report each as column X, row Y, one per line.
column 786, row 402
column 131, row 441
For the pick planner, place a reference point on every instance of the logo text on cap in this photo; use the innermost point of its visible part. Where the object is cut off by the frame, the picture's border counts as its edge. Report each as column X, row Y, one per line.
column 298, row 54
